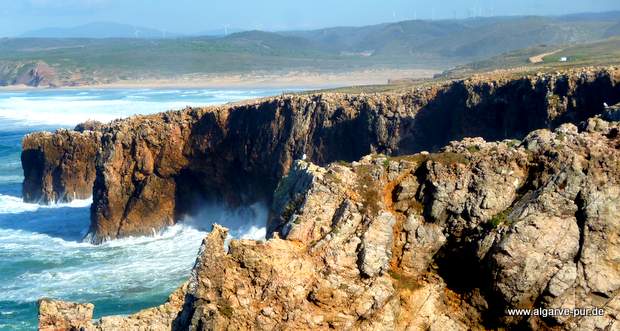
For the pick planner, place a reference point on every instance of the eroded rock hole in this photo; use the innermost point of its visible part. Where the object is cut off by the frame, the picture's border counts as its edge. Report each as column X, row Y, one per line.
column 200, row 204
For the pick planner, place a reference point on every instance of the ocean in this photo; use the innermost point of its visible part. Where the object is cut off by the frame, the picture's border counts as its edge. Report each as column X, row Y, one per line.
column 41, row 249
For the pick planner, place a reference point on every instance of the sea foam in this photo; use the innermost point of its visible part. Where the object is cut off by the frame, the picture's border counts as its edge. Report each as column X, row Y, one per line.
column 14, row 205
column 42, row 108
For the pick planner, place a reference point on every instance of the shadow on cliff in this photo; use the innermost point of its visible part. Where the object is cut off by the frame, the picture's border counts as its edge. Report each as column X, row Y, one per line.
column 241, row 163
column 510, row 111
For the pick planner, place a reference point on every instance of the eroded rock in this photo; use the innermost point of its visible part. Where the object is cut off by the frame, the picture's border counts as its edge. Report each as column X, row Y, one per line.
column 60, row 166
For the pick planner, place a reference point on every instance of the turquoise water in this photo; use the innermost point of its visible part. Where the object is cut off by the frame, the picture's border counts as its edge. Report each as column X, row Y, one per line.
column 41, row 248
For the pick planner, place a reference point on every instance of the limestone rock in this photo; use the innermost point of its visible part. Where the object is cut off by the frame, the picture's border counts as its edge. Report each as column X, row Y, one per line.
column 89, row 126
column 59, row 167
column 377, row 245
column 64, row 316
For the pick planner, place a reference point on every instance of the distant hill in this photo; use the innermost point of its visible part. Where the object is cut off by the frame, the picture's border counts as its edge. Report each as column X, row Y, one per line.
column 464, row 39
column 218, row 32
column 117, row 55
column 99, row 30
column 613, row 31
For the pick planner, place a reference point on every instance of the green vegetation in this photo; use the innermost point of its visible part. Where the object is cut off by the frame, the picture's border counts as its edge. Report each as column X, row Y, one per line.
column 369, row 192
column 225, row 309
column 513, row 143
column 403, row 281
column 499, row 219
column 602, row 52
column 449, row 158
column 597, row 53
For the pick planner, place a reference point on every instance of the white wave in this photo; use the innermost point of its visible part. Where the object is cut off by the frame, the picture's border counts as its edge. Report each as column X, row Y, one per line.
column 120, row 268
column 69, row 269
column 68, row 108
column 14, row 205
column 247, row 222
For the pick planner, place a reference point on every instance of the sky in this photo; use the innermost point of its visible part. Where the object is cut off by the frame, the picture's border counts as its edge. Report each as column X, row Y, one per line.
column 193, row 16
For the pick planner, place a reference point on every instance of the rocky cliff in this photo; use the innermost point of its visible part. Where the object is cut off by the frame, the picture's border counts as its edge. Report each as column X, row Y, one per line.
column 32, row 73
column 430, row 241
column 151, row 170
column 59, row 167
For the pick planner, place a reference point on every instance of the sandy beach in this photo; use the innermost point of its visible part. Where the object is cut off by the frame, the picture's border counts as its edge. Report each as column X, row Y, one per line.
column 294, row 79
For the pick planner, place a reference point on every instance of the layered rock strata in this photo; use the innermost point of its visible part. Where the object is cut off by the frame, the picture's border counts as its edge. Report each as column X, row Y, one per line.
column 151, row 170
column 440, row 241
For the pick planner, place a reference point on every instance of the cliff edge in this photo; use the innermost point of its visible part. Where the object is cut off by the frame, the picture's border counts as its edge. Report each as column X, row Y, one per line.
column 146, row 172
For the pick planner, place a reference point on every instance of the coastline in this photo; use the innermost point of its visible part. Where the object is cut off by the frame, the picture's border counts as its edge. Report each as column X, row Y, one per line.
column 294, row 79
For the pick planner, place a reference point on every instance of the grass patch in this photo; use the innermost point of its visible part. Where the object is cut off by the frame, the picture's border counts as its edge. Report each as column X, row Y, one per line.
column 225, row 309
column 473, row 149
column 403, row 281
column 449, row 158
column 501, row 218
column 368, row 190
column 513, row 143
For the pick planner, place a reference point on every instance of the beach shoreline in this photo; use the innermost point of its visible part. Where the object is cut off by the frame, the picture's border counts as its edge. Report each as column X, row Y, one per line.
column 296, row 79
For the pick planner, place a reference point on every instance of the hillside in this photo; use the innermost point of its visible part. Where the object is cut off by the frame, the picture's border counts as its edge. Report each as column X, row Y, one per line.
column 613, row 31
column 403, row 45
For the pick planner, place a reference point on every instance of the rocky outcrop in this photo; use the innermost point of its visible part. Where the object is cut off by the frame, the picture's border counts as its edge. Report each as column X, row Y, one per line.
column 37, row 74
column 59, row 315
column 59, row 167
column 89, row 126
column 440, row 241
column 30, row 73
column 154, row 169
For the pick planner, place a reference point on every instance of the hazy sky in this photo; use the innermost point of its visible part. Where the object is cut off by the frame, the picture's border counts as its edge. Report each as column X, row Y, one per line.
column 187, row 16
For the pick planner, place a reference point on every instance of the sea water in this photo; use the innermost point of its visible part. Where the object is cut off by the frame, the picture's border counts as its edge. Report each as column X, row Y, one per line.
column 41, row 249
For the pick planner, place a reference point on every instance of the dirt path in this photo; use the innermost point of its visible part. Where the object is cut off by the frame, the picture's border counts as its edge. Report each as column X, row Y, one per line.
column 539, row 58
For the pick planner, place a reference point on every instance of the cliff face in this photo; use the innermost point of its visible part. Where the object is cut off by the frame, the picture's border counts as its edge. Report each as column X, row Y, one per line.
column 35, row 74
column 59, row 167
column 153, row 169
column 441, row 241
